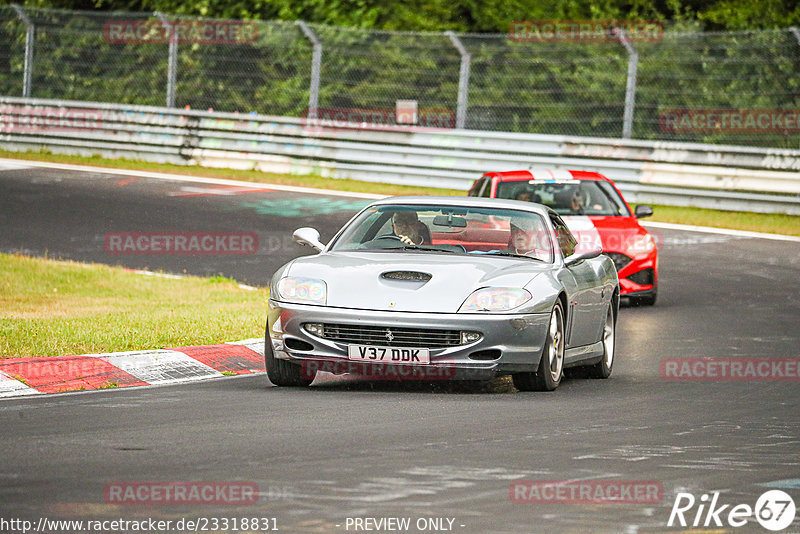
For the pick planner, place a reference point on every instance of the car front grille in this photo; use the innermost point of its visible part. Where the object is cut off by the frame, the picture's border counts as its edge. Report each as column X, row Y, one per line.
column 392, row 336
column 620, row 260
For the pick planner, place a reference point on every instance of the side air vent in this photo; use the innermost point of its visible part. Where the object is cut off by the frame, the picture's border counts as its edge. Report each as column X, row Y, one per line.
column 490, row 354
column 297, row 344
column 645, row 277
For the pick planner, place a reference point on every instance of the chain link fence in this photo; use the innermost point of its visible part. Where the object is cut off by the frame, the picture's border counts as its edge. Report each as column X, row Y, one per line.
column 680, row 87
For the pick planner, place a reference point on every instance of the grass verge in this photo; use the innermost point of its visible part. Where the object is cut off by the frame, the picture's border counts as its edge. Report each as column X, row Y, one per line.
column 771, row 223
column 301, row 180
column 755, row 222
column 50, row 308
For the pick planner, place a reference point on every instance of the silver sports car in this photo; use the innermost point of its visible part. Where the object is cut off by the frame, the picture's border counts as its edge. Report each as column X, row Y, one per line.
column 444, row 287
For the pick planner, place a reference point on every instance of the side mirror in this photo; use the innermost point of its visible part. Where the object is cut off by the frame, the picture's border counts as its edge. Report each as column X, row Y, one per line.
column 589, row 254
column 642, row 211
column 308, row 236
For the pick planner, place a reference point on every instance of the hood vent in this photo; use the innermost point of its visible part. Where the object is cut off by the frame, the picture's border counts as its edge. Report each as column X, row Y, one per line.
column 407, row 276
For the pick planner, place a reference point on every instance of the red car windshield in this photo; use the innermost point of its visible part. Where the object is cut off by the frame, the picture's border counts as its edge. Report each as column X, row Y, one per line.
column 568, row 197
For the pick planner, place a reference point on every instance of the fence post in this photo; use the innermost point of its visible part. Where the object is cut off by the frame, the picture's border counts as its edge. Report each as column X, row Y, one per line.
column 316, row 66
column 796, row 33
column 463, row 79
column 172, row 63
column 30, row 31
column 630, row 88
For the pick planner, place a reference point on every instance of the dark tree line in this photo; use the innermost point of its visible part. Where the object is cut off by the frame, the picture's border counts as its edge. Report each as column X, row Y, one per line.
column 466, row 15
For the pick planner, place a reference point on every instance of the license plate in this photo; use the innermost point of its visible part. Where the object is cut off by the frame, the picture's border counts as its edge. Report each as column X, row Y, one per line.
column 395, row 355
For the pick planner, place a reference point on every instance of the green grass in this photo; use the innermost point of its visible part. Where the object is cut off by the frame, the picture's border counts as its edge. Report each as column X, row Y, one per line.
column 50, row 308
column 756, row 222
column 771, row 223
column 302, row 180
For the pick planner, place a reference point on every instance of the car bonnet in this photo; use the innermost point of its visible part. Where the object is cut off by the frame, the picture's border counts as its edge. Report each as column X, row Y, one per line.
column 381, row 280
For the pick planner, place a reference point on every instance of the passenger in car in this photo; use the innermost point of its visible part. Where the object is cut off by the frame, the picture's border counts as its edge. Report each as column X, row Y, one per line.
column 528, row 239
column 528, row 196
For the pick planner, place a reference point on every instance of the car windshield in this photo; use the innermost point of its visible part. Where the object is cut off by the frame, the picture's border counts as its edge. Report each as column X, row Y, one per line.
column 568, row 197
column 448, row 230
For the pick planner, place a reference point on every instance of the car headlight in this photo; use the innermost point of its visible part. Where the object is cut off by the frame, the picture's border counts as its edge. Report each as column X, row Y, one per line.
column 303, row 290
column 495, row 299
column 642, row 245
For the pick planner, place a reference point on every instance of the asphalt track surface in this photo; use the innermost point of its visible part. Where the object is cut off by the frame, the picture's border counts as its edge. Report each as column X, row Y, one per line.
column 355, row 449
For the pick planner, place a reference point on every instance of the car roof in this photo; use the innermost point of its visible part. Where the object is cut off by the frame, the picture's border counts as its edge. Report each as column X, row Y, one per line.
column 478, row 202
column 547, row 175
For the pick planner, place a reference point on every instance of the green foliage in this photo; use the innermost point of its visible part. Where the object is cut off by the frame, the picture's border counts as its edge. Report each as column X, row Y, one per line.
column 465, row 15
column 558, row 88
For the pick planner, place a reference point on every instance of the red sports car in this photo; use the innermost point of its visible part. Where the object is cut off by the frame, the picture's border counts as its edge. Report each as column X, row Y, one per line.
column 595, row 212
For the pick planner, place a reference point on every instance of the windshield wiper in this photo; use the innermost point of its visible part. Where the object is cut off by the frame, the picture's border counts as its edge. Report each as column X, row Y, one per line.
column 424, row 249
column 513, row 255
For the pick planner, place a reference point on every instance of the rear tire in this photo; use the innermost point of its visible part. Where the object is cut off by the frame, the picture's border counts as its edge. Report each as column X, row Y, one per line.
column 283, row 372
column 551, row 365
column 602, row 369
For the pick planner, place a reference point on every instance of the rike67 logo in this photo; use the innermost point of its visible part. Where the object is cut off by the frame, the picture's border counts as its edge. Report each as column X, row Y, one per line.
column 774, row 510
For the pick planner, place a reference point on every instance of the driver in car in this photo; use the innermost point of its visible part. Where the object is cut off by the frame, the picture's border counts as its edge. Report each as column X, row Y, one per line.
column 411, row 231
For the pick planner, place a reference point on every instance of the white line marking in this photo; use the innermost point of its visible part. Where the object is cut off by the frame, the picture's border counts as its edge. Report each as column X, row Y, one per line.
column 160, row 366
column 723, row 231
column 330, row 192
column 11, row 166
column 255, row 344
column 193, row 179
column 11, row 387
column 177, row 277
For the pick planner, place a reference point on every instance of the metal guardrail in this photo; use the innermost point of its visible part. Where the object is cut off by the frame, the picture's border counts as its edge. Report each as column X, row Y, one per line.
column 716, row 176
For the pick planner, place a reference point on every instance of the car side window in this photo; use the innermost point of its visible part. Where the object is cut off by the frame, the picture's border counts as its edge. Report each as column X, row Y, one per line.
column 566, row 241
column 477, row 187
column 487, row 188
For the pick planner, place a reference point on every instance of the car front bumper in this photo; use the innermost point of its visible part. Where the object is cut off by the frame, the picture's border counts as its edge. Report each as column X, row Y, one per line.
column 628, row 275
column 516, row 340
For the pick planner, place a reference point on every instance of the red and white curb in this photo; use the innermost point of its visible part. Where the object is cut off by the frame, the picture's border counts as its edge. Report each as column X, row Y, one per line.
column 58, row 374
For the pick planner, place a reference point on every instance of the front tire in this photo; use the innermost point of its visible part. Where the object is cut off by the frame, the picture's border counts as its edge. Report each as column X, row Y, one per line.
column 648, row 300
column 551, row 365
column 283, row 372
